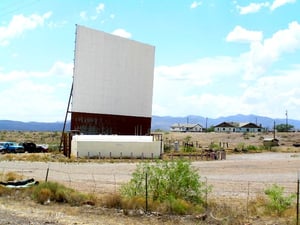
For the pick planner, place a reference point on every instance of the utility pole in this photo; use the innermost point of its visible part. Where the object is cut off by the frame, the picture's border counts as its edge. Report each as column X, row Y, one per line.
column 274, row 130
column 286, row 121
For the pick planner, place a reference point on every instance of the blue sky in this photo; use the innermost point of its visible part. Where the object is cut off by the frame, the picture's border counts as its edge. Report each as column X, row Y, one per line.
column 213, row 58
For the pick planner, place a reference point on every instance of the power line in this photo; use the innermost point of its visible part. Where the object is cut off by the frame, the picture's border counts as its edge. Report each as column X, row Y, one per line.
column 15, row 7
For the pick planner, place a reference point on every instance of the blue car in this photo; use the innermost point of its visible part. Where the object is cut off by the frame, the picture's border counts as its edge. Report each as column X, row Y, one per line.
column 2, row 147
column 13, row 147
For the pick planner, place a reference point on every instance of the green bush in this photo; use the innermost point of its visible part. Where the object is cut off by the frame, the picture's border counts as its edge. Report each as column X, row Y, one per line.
column 172, row 182
column 277, row 202
column 214, row 146
column 52, row 191
column 179, row 206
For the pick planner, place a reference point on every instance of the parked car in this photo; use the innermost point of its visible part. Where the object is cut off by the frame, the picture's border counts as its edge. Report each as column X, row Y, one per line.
column 13, row 147
column 32, row 147
column 42, row 147
column 2, row 147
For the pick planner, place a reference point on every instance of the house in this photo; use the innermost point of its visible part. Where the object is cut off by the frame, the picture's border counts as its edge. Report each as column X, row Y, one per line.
column 249, row 127
column 238, row 127
column 187, row 127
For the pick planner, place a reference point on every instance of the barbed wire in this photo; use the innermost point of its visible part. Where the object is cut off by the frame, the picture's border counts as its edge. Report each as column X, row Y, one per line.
column 107, row 182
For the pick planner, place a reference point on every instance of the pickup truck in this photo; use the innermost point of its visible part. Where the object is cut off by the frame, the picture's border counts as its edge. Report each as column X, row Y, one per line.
column 12, row 147
column 31, row 147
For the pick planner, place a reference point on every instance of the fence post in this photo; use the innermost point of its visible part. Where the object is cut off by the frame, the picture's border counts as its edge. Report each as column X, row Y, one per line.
column 206, row 193
column 146, row 185
column 248, row 201
column 46, row 179
column 298, row 181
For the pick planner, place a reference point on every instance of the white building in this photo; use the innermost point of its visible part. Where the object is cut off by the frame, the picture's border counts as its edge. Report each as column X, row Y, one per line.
column 115, row 146
column 187, row 127
column 238, row 127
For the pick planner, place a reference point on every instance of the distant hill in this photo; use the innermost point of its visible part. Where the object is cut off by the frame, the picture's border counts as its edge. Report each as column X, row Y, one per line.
column 10, row 125
column 165, row 122
column 158, row 122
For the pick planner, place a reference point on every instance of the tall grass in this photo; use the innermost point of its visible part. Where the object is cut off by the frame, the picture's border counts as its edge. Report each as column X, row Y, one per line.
column 54, row 192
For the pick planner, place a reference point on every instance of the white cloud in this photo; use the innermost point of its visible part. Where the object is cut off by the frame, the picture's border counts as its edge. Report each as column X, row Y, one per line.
column 256, row 7
column 240, row 34
column 179, row 89
column 200, row 72
column 222, row 86
column 252, row 7
column 61, row 69
column 83, row 15
column 272, row 95
column 100, row 8
column 122, row 33
column 19, row 24
column 195, row 4
column 97, row 13
column 263, row 54
column 58, row 69
column 35, row 101
column 40, row 96
column 266, row 96
column 278, row 3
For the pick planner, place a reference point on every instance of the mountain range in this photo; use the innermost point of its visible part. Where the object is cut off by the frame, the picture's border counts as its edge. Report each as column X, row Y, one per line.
column 158, row 122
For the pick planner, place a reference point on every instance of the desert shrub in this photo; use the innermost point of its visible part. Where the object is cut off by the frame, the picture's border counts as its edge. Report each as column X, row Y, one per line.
column 112, row 200
column 179, row 206
column 5, row 191
column 214, row 146
column 53, row 191
column 277, row 202
column 240, row 147
column 135, row 202
column 257, row 205
column 188, row 147
column 12, row 176
column 167, row 182
column 167, row 148
column 43, row 196
column 252, row 148
column 246, row 135
column 76, row 198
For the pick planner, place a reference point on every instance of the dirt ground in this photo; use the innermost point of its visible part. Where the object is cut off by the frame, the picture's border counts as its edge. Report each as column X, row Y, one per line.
column 240, row 176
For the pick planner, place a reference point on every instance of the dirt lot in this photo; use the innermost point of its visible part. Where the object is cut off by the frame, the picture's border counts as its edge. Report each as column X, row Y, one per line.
column 240, row 176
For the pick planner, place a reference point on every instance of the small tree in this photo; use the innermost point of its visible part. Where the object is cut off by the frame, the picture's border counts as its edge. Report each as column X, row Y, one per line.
column 284, row 127
column 166, row 180
column 210, row 129
column 278, row 203
column 188, row 147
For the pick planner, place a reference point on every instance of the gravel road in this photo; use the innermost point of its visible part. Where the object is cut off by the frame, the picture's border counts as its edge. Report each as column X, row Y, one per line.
column 237, row 176
column 232, row 176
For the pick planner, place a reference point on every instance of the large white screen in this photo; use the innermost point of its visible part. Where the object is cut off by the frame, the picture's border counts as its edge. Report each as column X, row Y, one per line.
column 112, row 75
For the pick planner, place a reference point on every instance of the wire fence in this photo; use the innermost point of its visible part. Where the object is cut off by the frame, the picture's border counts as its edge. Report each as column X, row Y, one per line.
column 105, row 179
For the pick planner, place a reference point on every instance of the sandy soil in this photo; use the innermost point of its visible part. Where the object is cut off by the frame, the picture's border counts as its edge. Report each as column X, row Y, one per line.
column 239, row 176
column 232, row 178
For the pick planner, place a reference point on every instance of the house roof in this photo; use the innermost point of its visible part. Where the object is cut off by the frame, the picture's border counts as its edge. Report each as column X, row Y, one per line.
column 225, row 124
column 238, row 125
column 187, row 125
column 249, row 125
